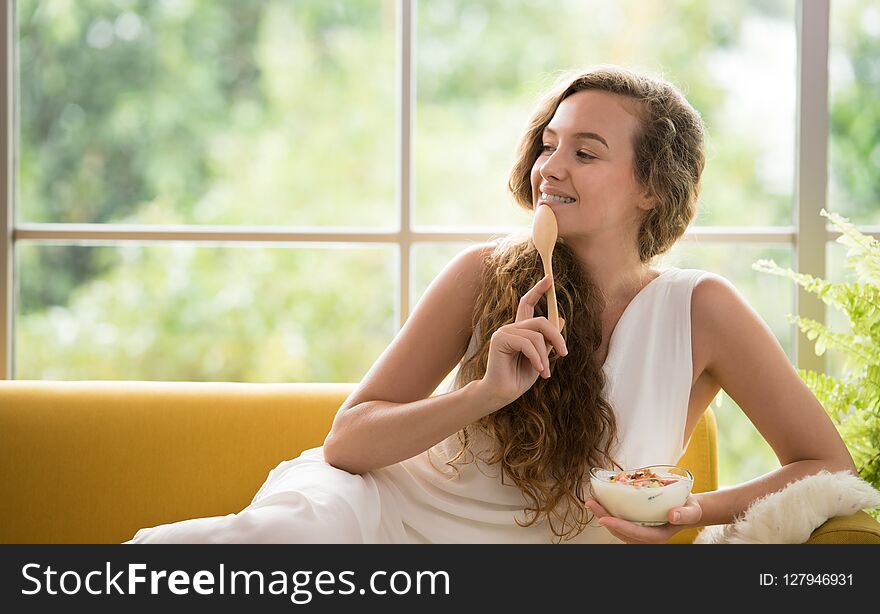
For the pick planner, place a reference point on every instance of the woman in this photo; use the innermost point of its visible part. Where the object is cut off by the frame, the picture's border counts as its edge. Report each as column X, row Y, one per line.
column 504, row 456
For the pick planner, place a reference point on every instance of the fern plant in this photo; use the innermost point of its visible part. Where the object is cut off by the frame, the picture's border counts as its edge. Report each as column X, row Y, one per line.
column 853, row 400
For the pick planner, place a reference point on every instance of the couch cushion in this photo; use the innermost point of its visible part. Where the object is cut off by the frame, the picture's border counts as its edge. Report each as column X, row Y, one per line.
column 95, row 461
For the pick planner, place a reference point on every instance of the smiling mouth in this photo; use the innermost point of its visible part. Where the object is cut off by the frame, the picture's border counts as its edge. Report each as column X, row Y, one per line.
column 549, row 199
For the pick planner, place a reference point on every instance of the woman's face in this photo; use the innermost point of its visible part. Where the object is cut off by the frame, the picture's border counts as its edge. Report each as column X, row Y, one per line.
column 587, row 157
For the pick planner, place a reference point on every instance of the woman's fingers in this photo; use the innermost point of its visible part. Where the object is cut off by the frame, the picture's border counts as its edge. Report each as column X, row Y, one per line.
column 544, row 327
column 690, row 513
column 518, row 343
column 537, row 341
column 537, row 331
column 596, row 508
column 528, row 300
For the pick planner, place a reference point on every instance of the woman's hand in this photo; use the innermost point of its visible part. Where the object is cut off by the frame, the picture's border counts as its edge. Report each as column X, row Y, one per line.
column 520, row 351
column 688, row 516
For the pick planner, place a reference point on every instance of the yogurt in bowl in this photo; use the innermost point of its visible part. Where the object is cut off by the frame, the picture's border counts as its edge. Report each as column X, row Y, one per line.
column 642, row 496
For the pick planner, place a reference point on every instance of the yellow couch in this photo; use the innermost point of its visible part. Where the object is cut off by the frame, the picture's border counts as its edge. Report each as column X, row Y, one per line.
column 92, row 462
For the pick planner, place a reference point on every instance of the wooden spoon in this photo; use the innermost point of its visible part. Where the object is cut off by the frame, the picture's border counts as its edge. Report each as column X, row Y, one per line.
column 544, row 233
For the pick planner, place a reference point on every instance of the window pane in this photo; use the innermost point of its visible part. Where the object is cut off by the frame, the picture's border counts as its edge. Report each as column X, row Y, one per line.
column 190, row 313
column 742, row 452
column 481, row 65
column 854, row 76
column 208, row 112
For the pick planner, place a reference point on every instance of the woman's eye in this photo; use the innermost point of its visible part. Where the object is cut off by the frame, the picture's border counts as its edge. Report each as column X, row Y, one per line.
column 583, row 155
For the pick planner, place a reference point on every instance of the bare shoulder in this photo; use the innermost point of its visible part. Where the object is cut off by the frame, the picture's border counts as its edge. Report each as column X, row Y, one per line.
column 470, row 260
column 725, row 326
column 713, row 291
column 715, row 300
column 460, row 278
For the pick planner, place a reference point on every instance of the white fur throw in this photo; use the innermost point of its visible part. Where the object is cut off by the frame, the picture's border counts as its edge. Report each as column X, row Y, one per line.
column 790, row 515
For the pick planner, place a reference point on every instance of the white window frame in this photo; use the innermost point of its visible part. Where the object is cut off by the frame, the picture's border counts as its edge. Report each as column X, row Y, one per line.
column 808, row 234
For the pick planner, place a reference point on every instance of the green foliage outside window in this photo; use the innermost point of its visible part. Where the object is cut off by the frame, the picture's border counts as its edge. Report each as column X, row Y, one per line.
column 853, row 400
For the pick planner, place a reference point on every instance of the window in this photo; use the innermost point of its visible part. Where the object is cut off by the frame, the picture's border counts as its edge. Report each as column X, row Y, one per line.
column 219, row 190
column 854, row 160
column 854, row 80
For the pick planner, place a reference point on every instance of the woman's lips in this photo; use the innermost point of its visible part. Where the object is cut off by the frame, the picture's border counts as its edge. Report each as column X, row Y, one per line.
column 554, row 203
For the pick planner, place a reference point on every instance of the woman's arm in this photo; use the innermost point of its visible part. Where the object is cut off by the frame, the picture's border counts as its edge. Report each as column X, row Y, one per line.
column 746, row 360
column 391, row 416
column 381, row 433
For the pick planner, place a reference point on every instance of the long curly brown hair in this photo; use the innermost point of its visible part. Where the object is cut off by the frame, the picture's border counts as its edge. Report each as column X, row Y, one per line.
column 547, row 439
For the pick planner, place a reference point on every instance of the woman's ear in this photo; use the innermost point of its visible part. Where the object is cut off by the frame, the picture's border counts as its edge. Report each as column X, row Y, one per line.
column 647, row 202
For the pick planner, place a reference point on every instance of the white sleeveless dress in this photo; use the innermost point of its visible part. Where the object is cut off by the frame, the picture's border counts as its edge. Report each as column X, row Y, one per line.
column 305, row 500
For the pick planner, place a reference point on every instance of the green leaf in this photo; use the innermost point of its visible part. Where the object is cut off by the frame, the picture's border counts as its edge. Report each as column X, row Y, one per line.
column 852, row 401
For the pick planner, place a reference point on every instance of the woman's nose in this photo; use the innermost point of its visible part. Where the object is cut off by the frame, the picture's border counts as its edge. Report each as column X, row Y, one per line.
column 553, row 168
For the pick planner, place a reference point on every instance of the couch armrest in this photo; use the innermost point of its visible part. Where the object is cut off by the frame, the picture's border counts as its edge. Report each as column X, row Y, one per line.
column 859, row 528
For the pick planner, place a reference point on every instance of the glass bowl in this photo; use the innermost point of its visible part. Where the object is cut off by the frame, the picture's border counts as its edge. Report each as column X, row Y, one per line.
column 637, row 496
